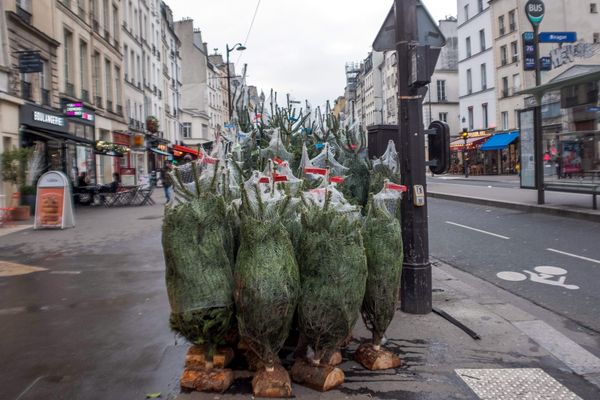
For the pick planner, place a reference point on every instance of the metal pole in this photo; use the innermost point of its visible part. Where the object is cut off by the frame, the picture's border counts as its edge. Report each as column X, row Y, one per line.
column 465, row 163
column 416, row 275
column 228, row 84
column 539, row 137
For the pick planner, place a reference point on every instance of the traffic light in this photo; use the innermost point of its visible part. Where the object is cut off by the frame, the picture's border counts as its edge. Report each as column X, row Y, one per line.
column 438, row 137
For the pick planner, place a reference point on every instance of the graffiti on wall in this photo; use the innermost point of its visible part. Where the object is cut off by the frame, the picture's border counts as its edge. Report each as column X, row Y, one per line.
column 568, row 53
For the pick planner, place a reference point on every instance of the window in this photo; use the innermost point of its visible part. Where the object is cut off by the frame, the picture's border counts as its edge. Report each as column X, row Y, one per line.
column 505, row 87
column 501, row 25
column 468, row 47
column 108, row 82
column 593, row 8
column 126, row 61
column 471, row 124
column 512, row 24
column 441, row 90
column 68, row 55
column 596, row 37
column 106, row 19
column 483, row 77
column 118, row 92
column 469, row 82
column 115, row 15
column 81, row 8
column 187, row 130
column 482, row 40
column 503, row 55
column 479, row 5
column 514, row 49
column 504, row 120
column 97, row 78
column 516, row 83
column 83, row 70
column 24, row 5
column 466, row 12
column 484, row 115
column 443, row 116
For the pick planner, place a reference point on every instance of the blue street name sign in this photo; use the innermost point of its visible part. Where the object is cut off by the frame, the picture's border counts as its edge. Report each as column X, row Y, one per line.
column 593, row 109
column 558, row 37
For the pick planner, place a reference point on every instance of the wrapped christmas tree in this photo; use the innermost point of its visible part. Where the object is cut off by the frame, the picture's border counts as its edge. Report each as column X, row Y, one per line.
column 267, row 287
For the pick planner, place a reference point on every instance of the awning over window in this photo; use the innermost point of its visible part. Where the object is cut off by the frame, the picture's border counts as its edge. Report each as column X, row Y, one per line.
column 472, row 143
column 500, row 141
column 157, row 151
column 184, row 149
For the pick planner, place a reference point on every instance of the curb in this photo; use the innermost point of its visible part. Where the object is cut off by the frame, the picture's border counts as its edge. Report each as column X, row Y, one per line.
column 577, row 214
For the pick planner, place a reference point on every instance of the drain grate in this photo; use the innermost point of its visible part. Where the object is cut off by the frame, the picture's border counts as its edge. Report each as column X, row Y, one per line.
column 515, row 383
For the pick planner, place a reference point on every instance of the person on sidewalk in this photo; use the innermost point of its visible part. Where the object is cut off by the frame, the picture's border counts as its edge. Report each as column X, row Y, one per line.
column 167, row 180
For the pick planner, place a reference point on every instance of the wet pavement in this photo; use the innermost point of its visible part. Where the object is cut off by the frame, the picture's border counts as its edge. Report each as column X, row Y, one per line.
column 93, row 324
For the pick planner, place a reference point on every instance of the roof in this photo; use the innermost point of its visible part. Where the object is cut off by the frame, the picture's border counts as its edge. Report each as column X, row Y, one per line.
column 575, row 75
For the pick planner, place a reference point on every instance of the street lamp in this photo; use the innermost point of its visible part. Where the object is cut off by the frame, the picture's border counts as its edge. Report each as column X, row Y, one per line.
column 465, row 136
column 238, row 47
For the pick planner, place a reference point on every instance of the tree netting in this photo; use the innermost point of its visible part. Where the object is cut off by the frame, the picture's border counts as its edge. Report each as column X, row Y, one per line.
column 383, row 246
column 267, row 281
column 385, row 167
column 333, row 271
column 196, row 242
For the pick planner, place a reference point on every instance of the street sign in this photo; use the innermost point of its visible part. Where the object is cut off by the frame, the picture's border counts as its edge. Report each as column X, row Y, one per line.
column 428, row 32
column 30, row 61
column 557, row 37
column 528, row 37
column 545, row 63
column 593, row 109
column 535, row 9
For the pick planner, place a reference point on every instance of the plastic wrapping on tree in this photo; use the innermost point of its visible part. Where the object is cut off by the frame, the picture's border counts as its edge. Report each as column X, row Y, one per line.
column 198, row 249
column 276, row 148
column 326, row 159
column 386, row 167
column 333, row 271
column 389, row 159
column 267, row 280
column 383, row 247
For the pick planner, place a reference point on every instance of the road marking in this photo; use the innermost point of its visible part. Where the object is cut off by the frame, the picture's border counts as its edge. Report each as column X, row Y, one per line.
column 65, row 272
column 574, row 255
column 14, row 269
column 543, row 274
column 478, row 230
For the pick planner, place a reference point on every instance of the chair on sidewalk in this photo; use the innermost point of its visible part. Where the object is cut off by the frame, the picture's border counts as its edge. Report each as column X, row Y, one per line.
column 119, row 198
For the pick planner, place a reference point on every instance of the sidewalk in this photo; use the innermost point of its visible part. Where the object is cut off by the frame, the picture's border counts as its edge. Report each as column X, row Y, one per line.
column 504, row 191
column 518, row 356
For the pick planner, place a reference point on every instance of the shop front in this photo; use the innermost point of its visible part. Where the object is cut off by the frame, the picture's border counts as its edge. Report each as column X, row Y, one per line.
column 180, row 153
column 60, row 144
column 158, row 153
column 468, row 148
column 501, row 153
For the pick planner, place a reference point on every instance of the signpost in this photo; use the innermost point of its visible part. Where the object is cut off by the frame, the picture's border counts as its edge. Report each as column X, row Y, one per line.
column 54, row 203
column 535, row 10
column 30, row 61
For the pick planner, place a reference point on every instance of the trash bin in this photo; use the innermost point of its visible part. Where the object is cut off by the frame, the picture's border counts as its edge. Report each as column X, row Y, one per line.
column 378, row 137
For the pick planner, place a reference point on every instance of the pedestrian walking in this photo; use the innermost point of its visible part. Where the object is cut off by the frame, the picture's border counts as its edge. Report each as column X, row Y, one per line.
column 167, row 181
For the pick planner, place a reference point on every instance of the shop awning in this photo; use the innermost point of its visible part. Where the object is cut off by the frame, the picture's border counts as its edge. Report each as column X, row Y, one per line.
column 472, row 142
column 500, row 141
column 51, row 135
column 184, row 149
column 162, row 153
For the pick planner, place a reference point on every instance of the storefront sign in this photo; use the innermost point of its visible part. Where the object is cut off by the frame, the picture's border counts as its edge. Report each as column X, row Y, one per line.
column 30, row 62
column 54, row 206
column 38, row 117
column 77, row 110
column 128, row 176
column 526, row 122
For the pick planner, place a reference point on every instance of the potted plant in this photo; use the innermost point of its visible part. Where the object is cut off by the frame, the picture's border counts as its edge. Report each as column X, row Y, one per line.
column 28, row 196
column 14, row 170
column 152, row 124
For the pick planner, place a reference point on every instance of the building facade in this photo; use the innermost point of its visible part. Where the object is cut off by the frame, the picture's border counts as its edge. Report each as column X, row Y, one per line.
column 389, row 87
column 373, row 91
column 442, row 101
column 477, row 95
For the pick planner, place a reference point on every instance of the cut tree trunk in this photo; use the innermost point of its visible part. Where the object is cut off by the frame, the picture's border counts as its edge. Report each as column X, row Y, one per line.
column 318, row 377
column 333, row 358
column 214, row 380
column 274, row 383
column 375, row 359
column 196, row 358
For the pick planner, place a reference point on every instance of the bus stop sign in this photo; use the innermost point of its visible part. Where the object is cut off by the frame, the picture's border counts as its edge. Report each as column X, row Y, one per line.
column 535, row 9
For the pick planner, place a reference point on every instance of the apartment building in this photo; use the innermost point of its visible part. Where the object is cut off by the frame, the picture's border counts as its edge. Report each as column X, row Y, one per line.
column 373, row 91
column 442, row 101
column 389, row 85
column 477, row 95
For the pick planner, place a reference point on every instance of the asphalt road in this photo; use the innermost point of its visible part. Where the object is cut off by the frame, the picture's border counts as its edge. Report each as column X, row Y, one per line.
column 551, row 261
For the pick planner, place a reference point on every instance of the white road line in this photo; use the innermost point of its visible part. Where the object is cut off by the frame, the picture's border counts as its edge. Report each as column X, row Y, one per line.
column 478, row 230
column 575, row 255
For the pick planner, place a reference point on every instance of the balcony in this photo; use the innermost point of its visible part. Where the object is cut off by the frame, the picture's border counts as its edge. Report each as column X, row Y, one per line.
column 24, row 15
column 45, row 97
column 109, row 105
column 70, row 89
column 85, row 95
column 81, row 12
column 160, row 94
column 515, row 58
column 505, row 92
column 513, row 27
column 119, row 109
column 502, row 31
column 107, row 35
column 158, row 55
column 98, row 101
column 96, row 26
column 26, row 90
column 504, row 61
column 154, row 89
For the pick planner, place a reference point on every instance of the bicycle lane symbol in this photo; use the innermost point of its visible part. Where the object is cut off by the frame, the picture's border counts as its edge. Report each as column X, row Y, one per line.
column 543, row 274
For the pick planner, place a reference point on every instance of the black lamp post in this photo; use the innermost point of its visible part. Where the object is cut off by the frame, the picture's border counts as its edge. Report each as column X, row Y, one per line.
column 465, row 136
column 239, row 47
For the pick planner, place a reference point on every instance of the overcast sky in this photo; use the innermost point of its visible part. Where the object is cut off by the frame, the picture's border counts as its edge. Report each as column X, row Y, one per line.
column 295, row 46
